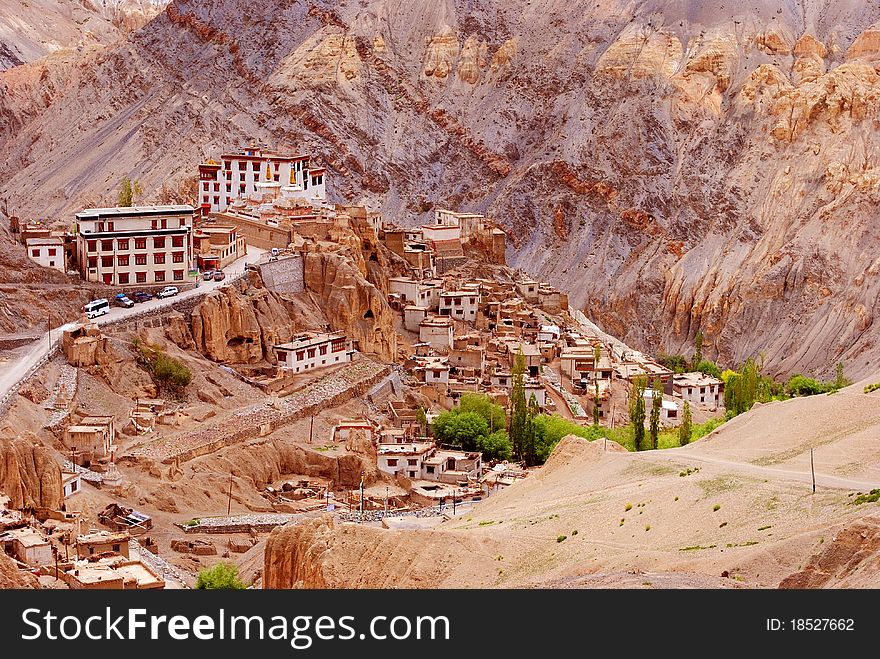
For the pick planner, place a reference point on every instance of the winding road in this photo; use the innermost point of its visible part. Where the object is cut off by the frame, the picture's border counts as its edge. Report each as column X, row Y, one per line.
column 12, row 372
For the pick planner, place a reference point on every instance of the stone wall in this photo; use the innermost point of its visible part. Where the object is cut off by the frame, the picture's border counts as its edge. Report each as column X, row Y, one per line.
column 284, row 275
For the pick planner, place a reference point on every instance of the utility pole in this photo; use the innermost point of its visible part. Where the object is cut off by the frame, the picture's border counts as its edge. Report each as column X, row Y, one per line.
column 49, row 323
column 454, row 496
column 311, row 428
column 229, row 500
column 813, row 471
column 386, row 500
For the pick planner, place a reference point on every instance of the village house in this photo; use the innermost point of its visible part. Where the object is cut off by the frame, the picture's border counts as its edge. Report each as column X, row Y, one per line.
column 530, row 353
column 534, row 387
column 217, row 246
column 699, row 388
column 528, row 290
column 402, row 416
column 102, row 542
column 352, row 434
column 437, row 331
column 27, row 545
column 393, row 436
column 48, row 252
column 460, row 305
column 112, row 574
column 468, row 360
column 71, row 483
column 135, row 245
column 413, row 316
column 253, row 168
column 668, row 411
column 452, row 466
column 635, row 366
column 311, row 351
column 551, row 299
column 92, row 439
column 405, row 459
column 434, row 371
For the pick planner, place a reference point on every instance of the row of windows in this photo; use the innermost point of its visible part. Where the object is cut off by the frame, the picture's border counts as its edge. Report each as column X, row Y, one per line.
column 53, row 251
column 412, row 462
column 158, row 223
column 141, row 277
column 139, row 243
column 123, row 260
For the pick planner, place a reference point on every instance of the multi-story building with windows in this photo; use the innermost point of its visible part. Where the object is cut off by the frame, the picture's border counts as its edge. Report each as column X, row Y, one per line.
column 314, row 351
column 135, row 245
column 256, row 169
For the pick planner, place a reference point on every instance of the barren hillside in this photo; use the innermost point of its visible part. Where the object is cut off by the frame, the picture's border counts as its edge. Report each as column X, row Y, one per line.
column 673, row 165
column 596, row 516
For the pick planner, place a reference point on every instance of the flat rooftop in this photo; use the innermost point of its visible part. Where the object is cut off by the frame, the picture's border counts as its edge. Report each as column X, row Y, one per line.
column 305, row 341
column 123, row 211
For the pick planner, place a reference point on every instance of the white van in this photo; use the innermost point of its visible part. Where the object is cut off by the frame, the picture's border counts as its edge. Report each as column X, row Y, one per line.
column 96, row 308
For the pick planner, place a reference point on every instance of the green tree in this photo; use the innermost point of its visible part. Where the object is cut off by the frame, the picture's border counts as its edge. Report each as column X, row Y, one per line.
column 708, row 368
column 596, row 403
column 530, row 439
column 698, row 348
column 422, row 420
column 840, row 380
column 495, row 446
column 800, row 385
column 637, row 412
column 687, row 424
column 170, row 372
column 656, row 408
column 518, row 407
column 675, row 363
column 483, row 405
column 128, row 190
column 220, row 576
column 460, row 429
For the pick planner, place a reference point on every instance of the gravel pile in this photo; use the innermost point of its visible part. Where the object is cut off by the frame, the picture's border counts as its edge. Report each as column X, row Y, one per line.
column 377, row 515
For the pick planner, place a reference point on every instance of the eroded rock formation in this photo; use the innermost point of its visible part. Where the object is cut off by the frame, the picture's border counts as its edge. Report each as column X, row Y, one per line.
column 29, row 475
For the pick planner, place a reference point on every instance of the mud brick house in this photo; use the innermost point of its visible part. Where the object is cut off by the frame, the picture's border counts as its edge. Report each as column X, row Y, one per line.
column 309, row 352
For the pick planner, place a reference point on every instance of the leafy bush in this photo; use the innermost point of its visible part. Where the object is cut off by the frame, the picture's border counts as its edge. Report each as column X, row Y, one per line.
column 469, row 427
column 495, row 446
column 561, row 538
column 220, row 576
column 483, row 405
column 716, row 507
column 871, row 387
column 800, row 385
column 167, row 372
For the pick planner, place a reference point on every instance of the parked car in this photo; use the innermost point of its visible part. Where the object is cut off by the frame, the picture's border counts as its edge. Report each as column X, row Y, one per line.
column 123, row 300
column 168, row 291
column 208, row 275
column 219, row 275
column 142, row 296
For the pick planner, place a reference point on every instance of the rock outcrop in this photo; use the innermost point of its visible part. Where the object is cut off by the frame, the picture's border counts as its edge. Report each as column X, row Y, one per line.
column 351, row 303
column 12, row 577
column 29, row 475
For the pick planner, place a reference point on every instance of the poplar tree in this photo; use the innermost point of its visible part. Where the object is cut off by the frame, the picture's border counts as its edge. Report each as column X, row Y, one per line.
column 518, row 407
column 686, row 427
column 656, row 407
column 596, row 405
column 637, row 412
column 698, row 348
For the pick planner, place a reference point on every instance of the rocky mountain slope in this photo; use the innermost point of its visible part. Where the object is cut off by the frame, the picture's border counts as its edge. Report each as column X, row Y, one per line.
column 32, row 29
column 673, row 165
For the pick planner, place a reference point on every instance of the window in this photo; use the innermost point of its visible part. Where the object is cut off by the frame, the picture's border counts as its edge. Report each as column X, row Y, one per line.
column 115, row 547
column 412, row 462
column 140, row 243
column 100, row 226
column 35, row 253
column 311, row 352
column 93, row 245
column 106, row 245
column 123, row 277
column 164, row 223
column 110, row 226
column 93, row 261
column 429, row 470
column 204, row 187
column 140, row 259
column 154, row 224
column 177, row 257
column 122, row 260
column 159, row 258
column 282, row 356
column 229, row 187
column 177, row 241
column 159, row 275
column 140, row 277
column 242, row 165
column 216, row 200
column 300, row 355
column 52, row 263
column 226, row 165
column 216, row 187
column 159, row 243
column 255, row 166
column 392, row 462
column 108, row 278
column 122, row 244
column 178, row 275
column 241, row 189
column 106, row 261
column 53, row 251
column 323, row 349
